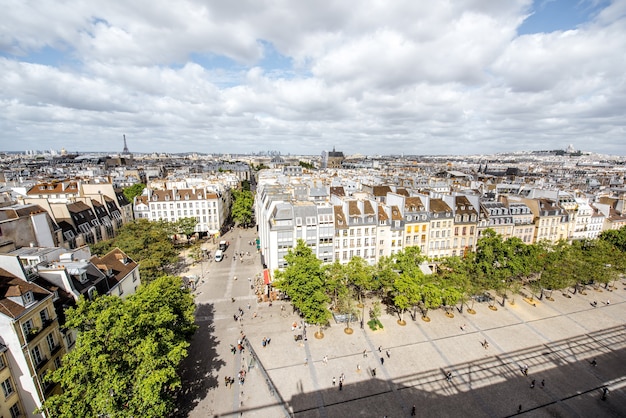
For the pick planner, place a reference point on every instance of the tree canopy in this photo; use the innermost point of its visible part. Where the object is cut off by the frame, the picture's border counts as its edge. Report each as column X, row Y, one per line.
column 126, row 356
column 303, row 281
column 133, row 191
column 146, row 242
column 241, row 211
column 186, row 226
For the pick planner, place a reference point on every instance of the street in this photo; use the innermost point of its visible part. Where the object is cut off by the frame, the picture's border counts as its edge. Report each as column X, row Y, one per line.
column 443, row 367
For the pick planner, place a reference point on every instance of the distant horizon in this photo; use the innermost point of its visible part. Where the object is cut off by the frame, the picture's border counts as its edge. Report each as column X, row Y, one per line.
column 369, row 77
column 273, row 153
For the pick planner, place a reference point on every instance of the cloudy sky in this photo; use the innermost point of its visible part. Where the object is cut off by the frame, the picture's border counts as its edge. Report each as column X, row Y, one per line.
column 367, row 76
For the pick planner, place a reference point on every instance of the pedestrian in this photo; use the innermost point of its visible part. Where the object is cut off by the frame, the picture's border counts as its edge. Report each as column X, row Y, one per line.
column 543, row 383
column 388, row 353
column 358, row 367
column 342, row 377
column 608, row 302
column 340, row 385
column 463, row 327
column 325, row 360
column 380, row 349
column 449, row 376
column 413, row 411
column 605, row 393
column 594, row 363
column 519, row 409
column 249, row 303
column 268, row 340
column 374, row 372
column 525, row 370
column 365, row 353
column 264, row 342
column 334, row 381
column 306, row 361
column 382, row 360
column 532, row 384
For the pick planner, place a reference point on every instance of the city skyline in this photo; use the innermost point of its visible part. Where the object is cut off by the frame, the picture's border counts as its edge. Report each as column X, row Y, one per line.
column 378, row 79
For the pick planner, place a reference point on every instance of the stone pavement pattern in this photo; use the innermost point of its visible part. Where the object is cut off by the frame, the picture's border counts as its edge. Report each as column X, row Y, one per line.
column 556, row 340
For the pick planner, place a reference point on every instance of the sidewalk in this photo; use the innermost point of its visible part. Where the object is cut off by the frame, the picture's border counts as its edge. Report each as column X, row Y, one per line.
column 555, row 340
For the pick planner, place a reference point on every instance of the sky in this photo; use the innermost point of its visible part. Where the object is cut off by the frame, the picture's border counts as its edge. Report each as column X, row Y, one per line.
column 367, row 77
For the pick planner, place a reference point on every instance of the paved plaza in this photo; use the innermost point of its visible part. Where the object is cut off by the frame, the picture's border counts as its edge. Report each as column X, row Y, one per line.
column 389, row 371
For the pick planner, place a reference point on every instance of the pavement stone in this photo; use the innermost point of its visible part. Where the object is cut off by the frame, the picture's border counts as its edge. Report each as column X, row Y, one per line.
column 555, row 339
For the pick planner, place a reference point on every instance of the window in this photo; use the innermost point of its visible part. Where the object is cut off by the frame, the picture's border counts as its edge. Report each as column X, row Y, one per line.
column 15, row 411
column 28, row 298
column 2, row 364
column 37, row 357
column 70, row 339
column 51, row 343
column 7, row 388
column 43, row 314
column 28, row 326
column 57, row 362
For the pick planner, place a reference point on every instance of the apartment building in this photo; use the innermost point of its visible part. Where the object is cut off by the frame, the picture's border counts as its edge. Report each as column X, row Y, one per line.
column 209, row 209
column 354, row 229
column 440, row 229
column 11, row 405
column 465, row 223
column 551, row 221
column 30, row 332
column 83, row 212
column 496, row 216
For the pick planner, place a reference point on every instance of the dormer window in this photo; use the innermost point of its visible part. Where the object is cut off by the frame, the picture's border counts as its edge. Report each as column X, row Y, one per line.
column 28, row 298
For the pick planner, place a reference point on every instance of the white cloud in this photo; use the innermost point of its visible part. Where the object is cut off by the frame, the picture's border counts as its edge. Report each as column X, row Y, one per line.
column 371, row 77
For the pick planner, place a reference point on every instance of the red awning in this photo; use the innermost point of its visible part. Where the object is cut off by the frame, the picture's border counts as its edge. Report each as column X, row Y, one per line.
column 266, row 276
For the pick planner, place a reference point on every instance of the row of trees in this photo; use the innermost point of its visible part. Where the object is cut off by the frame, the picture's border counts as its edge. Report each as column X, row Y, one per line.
column 502, row 266
column 127, row 354
column 241, row 210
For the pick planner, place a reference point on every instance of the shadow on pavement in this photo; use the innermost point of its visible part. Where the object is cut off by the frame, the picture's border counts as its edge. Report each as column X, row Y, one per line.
column 199, row 369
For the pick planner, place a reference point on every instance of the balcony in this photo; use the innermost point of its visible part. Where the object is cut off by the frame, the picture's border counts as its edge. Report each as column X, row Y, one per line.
column 55, row 349
column 36, row 331
column 42, row 362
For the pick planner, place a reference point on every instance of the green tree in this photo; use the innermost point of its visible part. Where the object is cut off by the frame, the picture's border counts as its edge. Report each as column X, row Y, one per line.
column 133, row 191
column 186, row 226
column 306, row 165
column 241, row 210
column 127, row 353
column 456, row 272
column 303, row 281
column 615, row 237
column 335, row 283
column 557, row 262
column 406, row 292
column 145, row 242
column 360, row 277
column 431, row 297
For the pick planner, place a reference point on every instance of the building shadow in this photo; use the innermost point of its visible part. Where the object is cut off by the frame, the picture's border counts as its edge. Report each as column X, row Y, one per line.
column 562, row 380
column 199, row 369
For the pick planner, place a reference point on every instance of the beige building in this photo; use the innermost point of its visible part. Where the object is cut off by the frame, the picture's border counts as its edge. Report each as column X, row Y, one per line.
column 30, row 332
column 11, row 405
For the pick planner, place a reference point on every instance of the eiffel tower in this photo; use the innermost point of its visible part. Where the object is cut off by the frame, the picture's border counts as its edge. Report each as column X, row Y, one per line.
column 125, row 146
